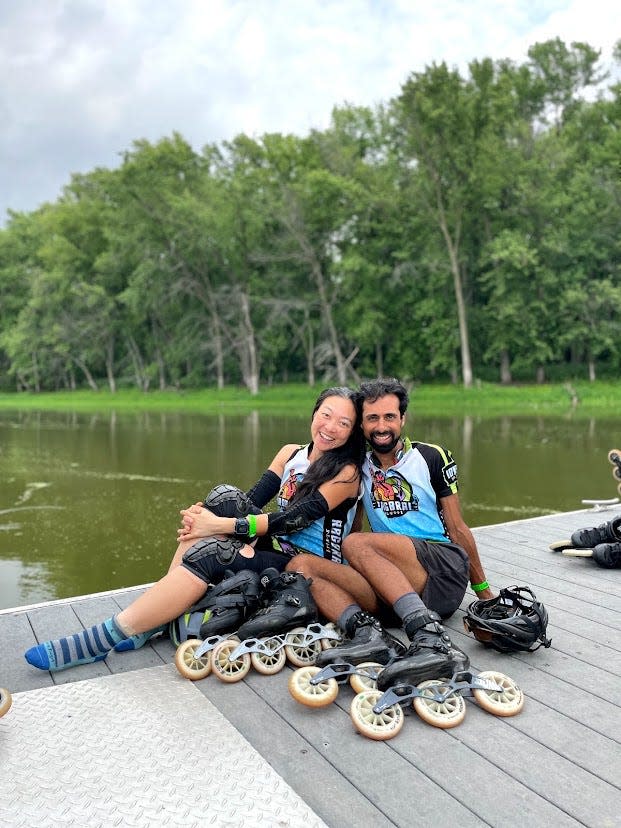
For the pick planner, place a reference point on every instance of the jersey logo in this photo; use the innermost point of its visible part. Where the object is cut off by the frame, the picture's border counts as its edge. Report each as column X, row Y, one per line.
column 449, row 473
column 288, row 489
column 392, row 494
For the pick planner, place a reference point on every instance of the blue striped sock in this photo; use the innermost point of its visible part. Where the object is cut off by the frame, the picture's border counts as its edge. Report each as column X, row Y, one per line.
column 84, row 647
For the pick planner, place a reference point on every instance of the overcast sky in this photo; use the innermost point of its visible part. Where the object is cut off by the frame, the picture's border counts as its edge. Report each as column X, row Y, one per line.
column 80, row 80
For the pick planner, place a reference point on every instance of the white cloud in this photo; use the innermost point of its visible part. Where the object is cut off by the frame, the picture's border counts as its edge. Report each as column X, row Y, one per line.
column 83, row 79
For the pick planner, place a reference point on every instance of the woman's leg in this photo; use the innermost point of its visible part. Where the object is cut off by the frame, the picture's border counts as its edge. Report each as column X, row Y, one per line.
column 162, row 602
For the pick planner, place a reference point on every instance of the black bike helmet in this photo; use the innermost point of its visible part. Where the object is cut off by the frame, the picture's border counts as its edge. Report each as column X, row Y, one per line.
column 513, row 621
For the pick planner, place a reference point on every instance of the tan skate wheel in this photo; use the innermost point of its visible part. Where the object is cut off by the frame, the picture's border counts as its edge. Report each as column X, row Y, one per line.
column 505, row 702
column 189, row 666
column 226, row 670
column 445, row 714
column 312, row 695
column 5, row 701
column 366, row 677
column 377, row 726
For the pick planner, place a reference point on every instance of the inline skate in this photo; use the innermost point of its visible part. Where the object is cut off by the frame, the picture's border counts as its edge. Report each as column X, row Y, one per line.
column 434, row 677
column 285, row 627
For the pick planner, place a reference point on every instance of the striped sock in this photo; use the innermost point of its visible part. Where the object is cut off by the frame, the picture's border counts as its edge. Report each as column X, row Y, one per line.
column 84, row 647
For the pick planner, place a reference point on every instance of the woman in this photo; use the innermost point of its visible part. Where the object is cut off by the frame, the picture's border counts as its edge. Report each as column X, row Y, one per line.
column 315, row 482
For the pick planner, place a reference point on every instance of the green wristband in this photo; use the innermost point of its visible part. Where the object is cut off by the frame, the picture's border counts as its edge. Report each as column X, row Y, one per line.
column 480, row 587
column 252, row 526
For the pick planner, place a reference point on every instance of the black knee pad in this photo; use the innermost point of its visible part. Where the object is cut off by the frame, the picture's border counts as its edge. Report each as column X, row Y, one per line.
column 210, row 557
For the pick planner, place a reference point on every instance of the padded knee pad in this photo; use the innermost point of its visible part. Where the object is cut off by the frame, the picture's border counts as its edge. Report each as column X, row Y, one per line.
column 225, row 500
column 210, row 557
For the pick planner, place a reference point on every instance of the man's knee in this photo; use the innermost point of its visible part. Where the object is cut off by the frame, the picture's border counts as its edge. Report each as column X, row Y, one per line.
column 304, row 563
column 355, row 544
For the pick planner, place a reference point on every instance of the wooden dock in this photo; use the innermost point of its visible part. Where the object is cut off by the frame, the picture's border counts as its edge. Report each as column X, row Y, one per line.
column 556, row 763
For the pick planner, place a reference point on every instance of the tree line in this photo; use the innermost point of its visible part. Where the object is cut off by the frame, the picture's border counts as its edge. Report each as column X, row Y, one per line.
column 466, row 229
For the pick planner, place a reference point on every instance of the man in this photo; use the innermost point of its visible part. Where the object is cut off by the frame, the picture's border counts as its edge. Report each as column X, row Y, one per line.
column 420, row 553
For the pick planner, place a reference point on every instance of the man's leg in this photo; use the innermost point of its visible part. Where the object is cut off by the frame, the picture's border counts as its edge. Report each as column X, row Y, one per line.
column 391, row 565
column 335, row 586
column 345, row 597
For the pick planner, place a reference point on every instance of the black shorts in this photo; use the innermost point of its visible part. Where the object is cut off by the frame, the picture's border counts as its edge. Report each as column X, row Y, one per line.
column 264, row 557
column 448, row 570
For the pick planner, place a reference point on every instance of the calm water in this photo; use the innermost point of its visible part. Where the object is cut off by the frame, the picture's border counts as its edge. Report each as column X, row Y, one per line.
column 91, row 503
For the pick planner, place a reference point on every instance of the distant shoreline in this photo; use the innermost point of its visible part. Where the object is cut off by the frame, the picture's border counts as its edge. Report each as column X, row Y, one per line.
column 575, row 399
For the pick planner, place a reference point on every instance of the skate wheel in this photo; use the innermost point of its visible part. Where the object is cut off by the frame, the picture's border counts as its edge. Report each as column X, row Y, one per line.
column 298, row 651
column 377, row 726
column 507, row 702
column 189, row 666
column 271, row 662
column 368, row 680
column 5, row 701
column 312, row 695
column 614, row 457
column 328, row 643
column 445, row 714
column 559, row 546
column 225, row 670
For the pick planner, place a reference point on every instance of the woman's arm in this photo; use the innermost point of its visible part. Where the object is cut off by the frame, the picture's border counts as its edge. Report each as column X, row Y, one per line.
column 329, row 495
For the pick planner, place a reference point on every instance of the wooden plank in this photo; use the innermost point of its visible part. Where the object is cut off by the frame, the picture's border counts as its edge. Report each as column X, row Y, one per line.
column 395, row 789
column 331, row 795
column 17, row 636
column 586, row 714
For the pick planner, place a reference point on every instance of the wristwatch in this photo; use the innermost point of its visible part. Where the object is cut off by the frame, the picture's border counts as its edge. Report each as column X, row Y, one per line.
column 242, row 527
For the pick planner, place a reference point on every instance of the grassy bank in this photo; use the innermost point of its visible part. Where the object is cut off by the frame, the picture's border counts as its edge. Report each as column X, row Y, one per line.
column 577, row 400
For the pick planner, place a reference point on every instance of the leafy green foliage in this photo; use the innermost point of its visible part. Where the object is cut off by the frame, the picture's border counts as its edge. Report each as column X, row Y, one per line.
column 467, row 229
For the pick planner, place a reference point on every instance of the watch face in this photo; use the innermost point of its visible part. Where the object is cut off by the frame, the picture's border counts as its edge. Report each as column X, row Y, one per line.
column 241, row 526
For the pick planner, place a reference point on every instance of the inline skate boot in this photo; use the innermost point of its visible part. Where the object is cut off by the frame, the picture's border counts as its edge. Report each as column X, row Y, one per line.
column 222, row 609
column 368, row 642
column 431, row 653
column 358, row 660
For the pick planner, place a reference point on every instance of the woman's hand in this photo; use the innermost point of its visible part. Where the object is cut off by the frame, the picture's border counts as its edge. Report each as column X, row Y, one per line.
column 198, row 522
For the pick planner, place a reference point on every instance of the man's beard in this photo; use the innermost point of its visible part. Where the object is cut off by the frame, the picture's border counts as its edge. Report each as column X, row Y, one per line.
column 384, row 448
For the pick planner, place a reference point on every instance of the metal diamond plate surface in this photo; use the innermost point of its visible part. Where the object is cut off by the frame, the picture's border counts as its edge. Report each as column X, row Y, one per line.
column 144, row 748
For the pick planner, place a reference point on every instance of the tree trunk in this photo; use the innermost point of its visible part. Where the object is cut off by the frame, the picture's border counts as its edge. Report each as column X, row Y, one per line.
column 505, row 368
column 453, row 251
column 109, row 360
column 379, row 359
column 248, row 347
column 326, row 312
column 140, row 377
column 89, row 377
column 35, row 372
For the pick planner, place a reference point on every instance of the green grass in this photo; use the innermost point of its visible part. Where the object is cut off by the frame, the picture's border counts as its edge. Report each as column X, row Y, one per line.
column 485, row 399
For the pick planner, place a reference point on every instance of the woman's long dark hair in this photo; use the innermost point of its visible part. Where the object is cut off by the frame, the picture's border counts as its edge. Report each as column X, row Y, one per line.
column 331, row 462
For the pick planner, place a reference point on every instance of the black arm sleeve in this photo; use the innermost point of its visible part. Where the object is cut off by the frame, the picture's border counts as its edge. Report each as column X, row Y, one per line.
column 298, row 516
column 264, row 489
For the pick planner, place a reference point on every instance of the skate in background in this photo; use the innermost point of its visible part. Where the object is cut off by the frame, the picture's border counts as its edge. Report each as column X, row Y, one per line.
column 602, row 543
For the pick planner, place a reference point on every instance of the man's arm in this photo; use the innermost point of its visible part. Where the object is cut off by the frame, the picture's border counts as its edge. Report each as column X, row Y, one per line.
column 460, row 534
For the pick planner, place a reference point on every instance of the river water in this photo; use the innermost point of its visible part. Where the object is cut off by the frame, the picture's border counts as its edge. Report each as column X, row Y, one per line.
column 91, row 502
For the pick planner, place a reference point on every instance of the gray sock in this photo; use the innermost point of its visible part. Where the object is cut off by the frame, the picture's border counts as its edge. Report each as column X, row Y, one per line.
column 409, row 603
